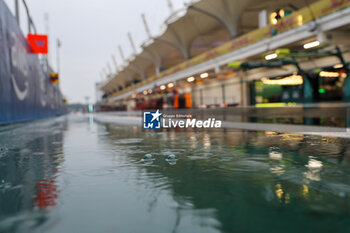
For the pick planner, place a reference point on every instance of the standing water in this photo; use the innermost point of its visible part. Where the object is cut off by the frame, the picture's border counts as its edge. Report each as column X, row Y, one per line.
column 75, row 175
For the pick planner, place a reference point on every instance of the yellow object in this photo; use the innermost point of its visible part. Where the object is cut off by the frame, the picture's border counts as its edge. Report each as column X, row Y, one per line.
column 282, row 51
column 55, row 82
column 290, row 80
column 269, row 105
column 235, row 64
column 273, row 19
column 329, row 74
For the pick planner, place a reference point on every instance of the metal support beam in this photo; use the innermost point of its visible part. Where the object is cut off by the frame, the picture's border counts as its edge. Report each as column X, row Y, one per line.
column 121, row 53
column 146, row 26
column 29, row 18
column 28, row 23
column 115, row 63
column 17, row 10
column 58, row 55
column 132, row 43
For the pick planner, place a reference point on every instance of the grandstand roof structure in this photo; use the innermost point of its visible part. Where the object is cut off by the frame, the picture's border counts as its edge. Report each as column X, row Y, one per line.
column 196, row 31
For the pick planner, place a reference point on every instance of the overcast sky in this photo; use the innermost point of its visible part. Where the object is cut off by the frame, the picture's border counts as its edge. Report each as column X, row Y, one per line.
column 90, row 32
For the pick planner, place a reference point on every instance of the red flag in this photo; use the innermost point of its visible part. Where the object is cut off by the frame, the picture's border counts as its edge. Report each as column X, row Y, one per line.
column 38, row 43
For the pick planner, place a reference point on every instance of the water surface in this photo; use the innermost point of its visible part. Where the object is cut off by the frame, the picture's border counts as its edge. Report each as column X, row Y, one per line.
column 75, row 175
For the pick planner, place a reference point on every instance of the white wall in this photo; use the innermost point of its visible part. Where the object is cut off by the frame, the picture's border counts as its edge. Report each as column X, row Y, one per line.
column 213, row 91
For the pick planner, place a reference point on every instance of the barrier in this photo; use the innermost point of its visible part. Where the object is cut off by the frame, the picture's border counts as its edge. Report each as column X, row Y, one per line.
column 26, row 92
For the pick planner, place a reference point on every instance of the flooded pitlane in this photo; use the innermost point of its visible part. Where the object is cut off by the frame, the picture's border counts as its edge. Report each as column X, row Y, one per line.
column 75, row 175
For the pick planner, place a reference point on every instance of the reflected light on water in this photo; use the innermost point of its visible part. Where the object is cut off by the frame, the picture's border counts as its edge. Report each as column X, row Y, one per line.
column 217, row 175
column 47, row 193
column 172, row 135
column 305, row 191
column 313, row 164
column 279, row 170
column 193, row 141
column 275, row 155
column 206, row 141
column 282, row 195
column 270, row 133
column 314, row 168
column 91, row 120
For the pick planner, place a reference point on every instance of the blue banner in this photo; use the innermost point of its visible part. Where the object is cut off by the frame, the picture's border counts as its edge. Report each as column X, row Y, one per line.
column 26, row 92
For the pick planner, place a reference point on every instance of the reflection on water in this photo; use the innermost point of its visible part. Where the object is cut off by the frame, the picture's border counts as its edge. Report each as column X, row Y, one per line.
column 79, row 176
column 30, row 161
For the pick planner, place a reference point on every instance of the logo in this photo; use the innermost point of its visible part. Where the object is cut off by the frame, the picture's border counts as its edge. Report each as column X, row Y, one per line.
column 151, row 120
column 38, row 43
column 20, row 68
column 157, row 120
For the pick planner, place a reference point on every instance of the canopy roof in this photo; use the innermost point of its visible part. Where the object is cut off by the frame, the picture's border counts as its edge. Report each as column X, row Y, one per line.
column 193, row 30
